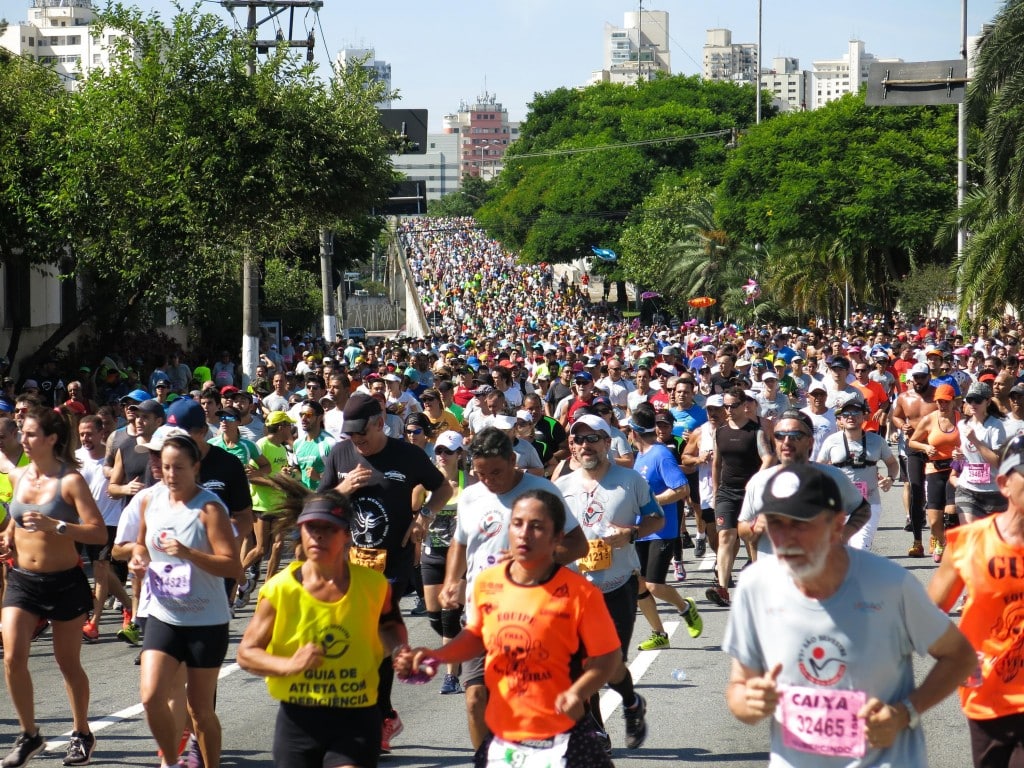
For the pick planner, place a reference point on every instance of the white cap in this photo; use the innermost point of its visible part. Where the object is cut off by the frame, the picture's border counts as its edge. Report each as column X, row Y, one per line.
column 156, row 441
column 920, row 369
column 392, row 377
column 596, row 423
column 817, row 386
column 714, row 401
column 449, row 439
column 504, row 422
column 524, row 416
column 769, row 374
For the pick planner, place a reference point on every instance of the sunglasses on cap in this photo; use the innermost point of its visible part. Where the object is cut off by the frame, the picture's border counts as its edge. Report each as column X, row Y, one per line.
column 592, row 438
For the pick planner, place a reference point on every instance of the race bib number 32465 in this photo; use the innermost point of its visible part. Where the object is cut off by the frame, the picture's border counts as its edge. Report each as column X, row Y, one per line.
column 823, row 721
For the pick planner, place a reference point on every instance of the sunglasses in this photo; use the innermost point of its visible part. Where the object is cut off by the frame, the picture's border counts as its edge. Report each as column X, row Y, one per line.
column 730, row 406
column 162, row 386
column 849, row 414
column 414, row 431
column 228, row 418
column 976, row 400
column 592, row 439
column 792, row 435
column 428, row 399
column 443, row 451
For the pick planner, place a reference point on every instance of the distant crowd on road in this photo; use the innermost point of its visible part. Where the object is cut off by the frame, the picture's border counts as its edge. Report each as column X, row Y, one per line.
column 530, row 453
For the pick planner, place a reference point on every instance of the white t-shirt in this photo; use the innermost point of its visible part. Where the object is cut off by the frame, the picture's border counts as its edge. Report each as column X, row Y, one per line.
column 92, row 471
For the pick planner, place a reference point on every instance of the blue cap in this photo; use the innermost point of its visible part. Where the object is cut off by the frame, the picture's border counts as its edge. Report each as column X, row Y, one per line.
column 186, row 414
column 6, row 406
column 582, row 376
column 137, row 396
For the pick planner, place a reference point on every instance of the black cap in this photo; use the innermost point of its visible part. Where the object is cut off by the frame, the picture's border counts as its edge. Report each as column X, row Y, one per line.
column 358, row 411
column 801, row 492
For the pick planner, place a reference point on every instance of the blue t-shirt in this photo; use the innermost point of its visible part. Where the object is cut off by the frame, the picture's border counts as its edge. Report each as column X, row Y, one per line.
column 659, row 468
column 685, row 421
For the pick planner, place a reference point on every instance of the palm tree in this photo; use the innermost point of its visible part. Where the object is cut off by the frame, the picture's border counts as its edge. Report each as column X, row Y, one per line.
column 706, row 261
column 988, row 272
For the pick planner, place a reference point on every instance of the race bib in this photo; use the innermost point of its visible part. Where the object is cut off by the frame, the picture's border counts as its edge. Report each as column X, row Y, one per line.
column 599, row 556
column 862, row 487
column 170, row 579
column 823, row 721
column 376, row 559
column 979, row 473
column 501, row 753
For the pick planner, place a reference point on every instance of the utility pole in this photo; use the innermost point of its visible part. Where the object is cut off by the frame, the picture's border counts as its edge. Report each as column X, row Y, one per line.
column 250, row 268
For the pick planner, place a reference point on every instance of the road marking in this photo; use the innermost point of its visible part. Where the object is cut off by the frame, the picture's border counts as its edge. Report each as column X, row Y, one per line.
column 610, row 700
column 121, row 715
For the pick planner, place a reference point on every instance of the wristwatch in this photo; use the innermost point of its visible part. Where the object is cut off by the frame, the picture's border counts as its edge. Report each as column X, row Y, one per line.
column 912, row 714
column 61, row 528
column 426, row 513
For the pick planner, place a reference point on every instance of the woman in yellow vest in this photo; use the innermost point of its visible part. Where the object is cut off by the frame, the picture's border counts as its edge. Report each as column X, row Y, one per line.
column 319, row 634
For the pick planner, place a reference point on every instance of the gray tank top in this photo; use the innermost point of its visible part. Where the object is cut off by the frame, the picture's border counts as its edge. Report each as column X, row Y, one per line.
column 56, row 507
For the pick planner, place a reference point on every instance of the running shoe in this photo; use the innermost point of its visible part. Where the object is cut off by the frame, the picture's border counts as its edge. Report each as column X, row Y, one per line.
column 420, row 609
column 606, row 741
column 392, row 727
column 80, row 747
column 636, row 725
column 700, row 548
column 245, row 591
column 126, row 617
column 25, row 748
column 687, row 540
column 694, row 623
column 937, row 553
column 654, row 642
column 41, row 626
column 194, row 757
column 718, row 595
column 916, row 550
column 451, row 684
column 679, row 570
column 130, row 634
column 90, row 632
column 186, row 736
column 908, row 527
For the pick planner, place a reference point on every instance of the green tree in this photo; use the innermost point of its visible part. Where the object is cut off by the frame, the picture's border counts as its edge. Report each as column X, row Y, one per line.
column 465, row 201
column 868, row 187
column 988, row 271
column 586, row 158
column 31, row 99
column 292, row 293
column 176, row 164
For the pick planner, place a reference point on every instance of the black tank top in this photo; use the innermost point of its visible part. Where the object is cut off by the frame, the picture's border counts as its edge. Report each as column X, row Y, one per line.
column 737, row 451
column 136, row 465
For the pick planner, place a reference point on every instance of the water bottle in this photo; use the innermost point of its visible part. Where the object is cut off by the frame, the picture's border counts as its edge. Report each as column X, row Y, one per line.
column 679, row 675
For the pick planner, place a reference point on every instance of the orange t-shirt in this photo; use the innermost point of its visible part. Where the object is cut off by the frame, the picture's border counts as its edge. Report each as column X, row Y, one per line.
column 536, row 639
column 993, row 616
column 944, row 443
column 874, row 395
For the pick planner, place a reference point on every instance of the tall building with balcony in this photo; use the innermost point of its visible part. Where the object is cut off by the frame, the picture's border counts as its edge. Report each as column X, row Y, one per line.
column 636, row 50
column 56, row 34
column 728, row 61
column 484, row 132
column 380, row 71
column 789, row 85
column 834, row 78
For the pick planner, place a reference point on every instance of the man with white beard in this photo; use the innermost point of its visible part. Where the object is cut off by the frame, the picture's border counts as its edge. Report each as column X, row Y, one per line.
column 821, row 637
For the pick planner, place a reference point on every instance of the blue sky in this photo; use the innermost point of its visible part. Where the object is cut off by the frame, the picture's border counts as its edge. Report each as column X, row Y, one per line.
column 442, row 52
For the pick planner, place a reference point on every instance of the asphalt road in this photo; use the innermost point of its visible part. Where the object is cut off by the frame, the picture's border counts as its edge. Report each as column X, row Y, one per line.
column 688, row 721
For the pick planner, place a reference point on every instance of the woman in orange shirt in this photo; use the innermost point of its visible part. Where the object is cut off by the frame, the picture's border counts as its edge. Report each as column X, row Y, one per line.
column 937, row 436
column 549, row 641
column 987, row 558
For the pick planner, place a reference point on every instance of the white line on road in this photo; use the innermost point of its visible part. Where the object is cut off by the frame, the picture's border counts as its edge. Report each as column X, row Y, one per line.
column 610, row 700
column 121, row 715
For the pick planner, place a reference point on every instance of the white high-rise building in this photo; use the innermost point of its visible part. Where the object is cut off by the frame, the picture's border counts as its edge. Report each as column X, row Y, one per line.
column 636, row 50
column 380, row 71
column 835, row 78
column 725, row 60
column 439, row 167
column 57, row 35
column 788, row 84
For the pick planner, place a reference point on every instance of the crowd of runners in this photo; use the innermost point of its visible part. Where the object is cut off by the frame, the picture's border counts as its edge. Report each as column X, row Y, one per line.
column 535, row 471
